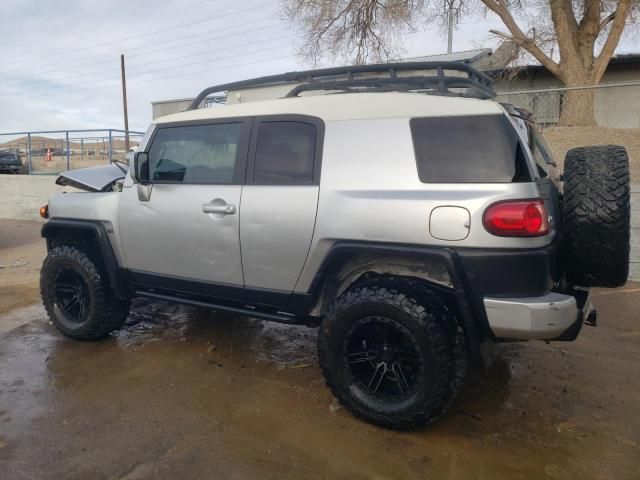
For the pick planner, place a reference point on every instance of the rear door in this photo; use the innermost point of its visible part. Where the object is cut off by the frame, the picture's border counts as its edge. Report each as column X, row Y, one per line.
column 279, row 203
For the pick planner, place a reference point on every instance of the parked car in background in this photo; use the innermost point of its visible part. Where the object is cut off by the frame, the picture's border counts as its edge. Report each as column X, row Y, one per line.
column 10, row 161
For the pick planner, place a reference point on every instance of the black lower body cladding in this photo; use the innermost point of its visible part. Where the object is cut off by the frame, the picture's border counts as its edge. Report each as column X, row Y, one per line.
column 596, row 216
column 516, row 273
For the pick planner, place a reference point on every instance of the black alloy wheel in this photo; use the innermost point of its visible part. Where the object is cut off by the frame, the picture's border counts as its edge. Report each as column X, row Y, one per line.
column 71, row 295
column 383, row 358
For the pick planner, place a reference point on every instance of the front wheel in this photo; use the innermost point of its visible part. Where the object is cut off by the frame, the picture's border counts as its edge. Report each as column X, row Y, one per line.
column 76, row 298
column 390, row 357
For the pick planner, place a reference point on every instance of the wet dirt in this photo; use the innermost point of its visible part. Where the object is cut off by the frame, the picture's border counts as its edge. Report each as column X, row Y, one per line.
column 21, row 252
column 182, row 392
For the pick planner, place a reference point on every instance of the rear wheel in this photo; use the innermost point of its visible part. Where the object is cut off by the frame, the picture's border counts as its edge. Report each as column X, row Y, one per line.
column 596, row 216
column 76, row 297
column 389, row 357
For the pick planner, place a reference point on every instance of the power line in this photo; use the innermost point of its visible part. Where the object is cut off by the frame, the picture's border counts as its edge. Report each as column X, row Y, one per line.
column 110, row 42
column 133, row 49
column 110, row 59
column 279, row 37
column 262, row 50
column 109, row 25
column 140, row 81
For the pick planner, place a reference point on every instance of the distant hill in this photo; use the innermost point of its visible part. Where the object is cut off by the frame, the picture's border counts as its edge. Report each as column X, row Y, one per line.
column 38, row 142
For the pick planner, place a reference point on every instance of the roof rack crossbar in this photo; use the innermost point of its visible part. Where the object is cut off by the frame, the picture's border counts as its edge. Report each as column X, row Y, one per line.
column 476, row 79
column 435, row 84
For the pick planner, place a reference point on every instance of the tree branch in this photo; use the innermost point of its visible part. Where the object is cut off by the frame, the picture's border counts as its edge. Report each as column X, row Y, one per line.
column 506, row 36
column 610, row 44
column 500, row 8
column 608, row 19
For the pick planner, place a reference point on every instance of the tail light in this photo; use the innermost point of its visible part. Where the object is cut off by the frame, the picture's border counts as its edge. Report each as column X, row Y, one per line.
column 44, row 211
column 522, row 218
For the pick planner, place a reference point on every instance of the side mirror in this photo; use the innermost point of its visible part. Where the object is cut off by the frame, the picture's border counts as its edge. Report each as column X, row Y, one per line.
column 140, row 172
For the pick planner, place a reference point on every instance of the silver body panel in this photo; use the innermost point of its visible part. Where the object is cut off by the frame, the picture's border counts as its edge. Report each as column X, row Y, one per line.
column 388, row 203
column 171, row 235
column 99, row 206
column 276, row 227
column 531, row 318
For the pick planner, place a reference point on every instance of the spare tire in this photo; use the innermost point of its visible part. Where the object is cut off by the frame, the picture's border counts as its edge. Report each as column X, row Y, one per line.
column 596, row 216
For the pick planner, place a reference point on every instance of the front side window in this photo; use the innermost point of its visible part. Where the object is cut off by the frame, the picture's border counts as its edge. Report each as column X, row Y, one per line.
column 195, row 154
column 285, row 153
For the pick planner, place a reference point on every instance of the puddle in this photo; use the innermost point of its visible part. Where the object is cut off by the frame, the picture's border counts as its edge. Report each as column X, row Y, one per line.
column 183, row 392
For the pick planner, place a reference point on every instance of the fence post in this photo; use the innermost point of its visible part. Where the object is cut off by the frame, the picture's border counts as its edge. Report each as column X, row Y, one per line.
column 82, row 149
column 29, row 151
column 68, row 153
column 110, row 148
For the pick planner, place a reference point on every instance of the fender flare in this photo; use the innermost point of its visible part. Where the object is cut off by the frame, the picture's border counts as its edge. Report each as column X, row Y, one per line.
column 117, row 280
column 473, row 318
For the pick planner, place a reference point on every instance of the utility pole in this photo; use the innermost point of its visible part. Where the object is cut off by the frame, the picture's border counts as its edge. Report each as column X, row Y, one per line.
column 450, row 27
column 124, row 104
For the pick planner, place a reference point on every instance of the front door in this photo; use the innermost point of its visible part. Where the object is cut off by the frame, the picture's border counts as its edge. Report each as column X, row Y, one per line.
column 185, row 234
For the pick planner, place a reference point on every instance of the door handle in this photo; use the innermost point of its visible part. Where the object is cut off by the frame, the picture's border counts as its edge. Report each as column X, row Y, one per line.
column 225, row 209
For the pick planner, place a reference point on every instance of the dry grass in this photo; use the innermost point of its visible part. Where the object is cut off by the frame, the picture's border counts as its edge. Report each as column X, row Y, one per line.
column 562, row 139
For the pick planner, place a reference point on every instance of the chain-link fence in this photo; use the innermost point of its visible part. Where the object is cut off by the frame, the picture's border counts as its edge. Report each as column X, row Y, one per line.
column 608, row 105
column 51, row 152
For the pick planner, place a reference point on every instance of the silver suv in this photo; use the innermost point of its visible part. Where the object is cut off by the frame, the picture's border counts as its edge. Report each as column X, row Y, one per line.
column 397, row 207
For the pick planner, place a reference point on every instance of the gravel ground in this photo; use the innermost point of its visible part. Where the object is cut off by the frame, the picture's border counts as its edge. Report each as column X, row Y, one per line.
column 562, row 139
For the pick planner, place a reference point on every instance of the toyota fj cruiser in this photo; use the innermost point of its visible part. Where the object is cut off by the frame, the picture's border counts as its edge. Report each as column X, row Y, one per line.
column 407, row 214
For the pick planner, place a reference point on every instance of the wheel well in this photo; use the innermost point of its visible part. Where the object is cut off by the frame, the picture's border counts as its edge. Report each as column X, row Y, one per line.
column 436, row 269
column 91, row 238
column 349, row 269
column 77, row 238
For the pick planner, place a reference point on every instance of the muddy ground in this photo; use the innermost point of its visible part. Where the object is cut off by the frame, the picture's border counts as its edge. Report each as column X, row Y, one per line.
column 192, row 394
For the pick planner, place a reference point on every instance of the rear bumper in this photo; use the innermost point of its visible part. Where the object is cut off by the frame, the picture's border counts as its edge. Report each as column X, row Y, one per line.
column 553, row 316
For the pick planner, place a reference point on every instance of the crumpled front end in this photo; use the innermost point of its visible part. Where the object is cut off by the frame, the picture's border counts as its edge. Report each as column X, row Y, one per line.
column 93, row 179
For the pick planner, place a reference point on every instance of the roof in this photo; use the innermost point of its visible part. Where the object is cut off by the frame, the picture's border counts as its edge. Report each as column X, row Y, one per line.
column 347, row 106
column 620, row 59
column 468, row 56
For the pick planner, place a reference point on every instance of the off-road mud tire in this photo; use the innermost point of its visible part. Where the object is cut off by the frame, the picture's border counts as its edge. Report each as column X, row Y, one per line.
column 596, row 216
column 105, row 314
column 425, row 316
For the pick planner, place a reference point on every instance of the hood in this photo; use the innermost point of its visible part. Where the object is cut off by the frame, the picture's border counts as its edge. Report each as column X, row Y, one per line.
column 93, row 179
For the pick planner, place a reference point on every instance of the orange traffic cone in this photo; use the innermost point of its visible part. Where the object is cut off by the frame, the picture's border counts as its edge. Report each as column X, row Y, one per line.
column 48, row 157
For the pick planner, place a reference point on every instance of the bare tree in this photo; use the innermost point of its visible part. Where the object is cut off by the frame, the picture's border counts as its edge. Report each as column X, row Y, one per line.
column 572, row 39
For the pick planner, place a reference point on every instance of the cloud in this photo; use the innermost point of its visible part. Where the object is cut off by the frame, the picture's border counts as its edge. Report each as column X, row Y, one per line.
column 60, row 63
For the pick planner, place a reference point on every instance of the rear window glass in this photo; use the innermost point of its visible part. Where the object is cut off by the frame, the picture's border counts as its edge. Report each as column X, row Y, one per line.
column 469, row 149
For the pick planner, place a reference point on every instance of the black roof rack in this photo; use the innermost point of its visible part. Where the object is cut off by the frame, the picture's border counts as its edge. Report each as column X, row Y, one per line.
column 466, row 80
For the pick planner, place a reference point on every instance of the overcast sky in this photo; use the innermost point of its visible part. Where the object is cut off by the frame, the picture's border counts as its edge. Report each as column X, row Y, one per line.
column 60, row 64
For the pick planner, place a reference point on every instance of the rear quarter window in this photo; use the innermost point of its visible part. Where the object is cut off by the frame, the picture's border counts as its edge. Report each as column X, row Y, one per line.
column 469, row 149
